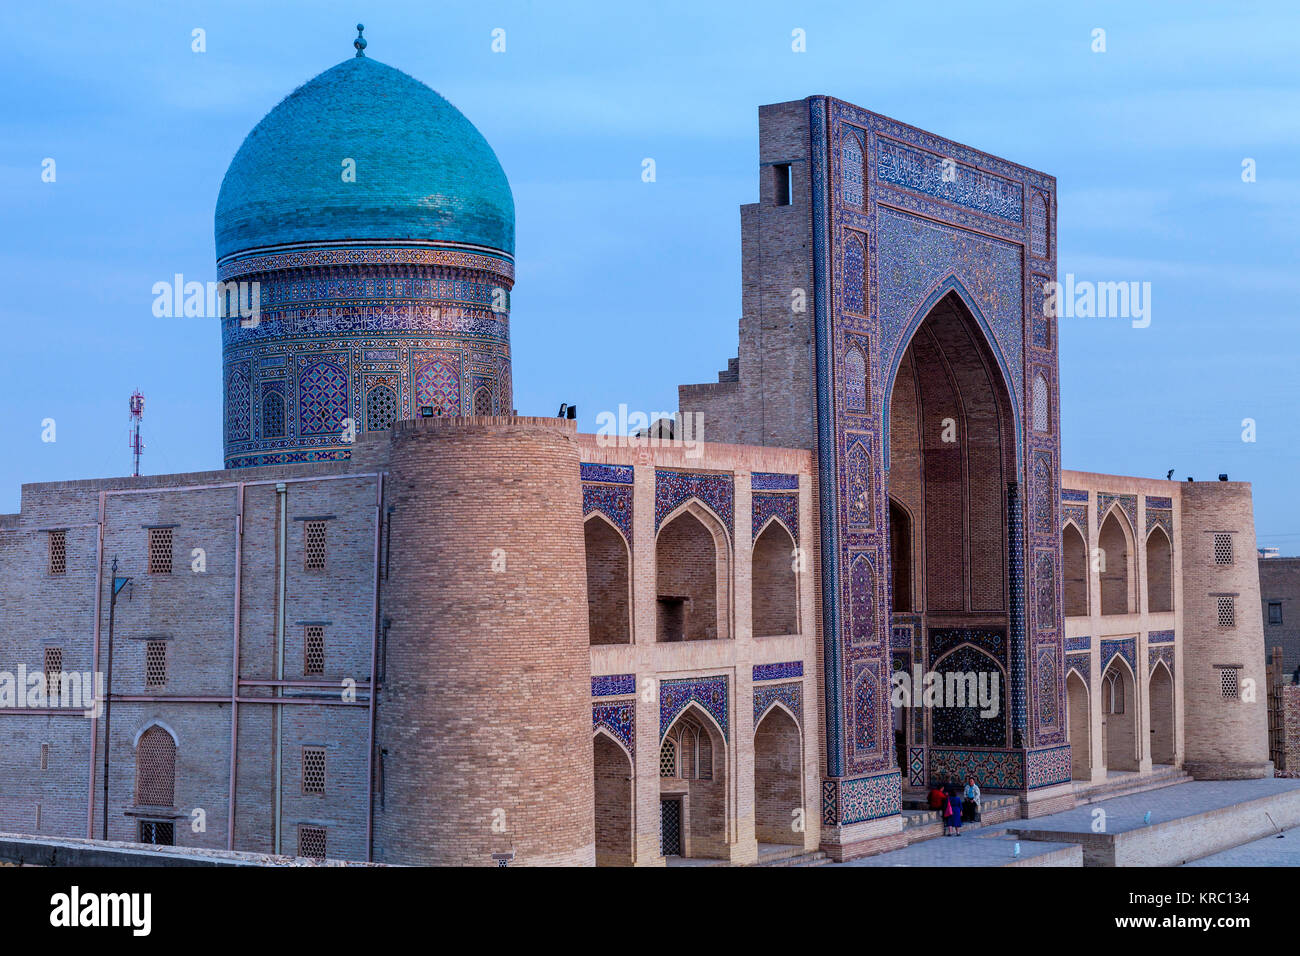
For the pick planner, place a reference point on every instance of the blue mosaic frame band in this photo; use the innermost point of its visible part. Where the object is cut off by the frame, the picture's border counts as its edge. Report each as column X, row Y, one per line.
column 782, row 671
column 1077, row 495
column 771, row 481
column 1016, row 591
column 827, row 475
column 1160, row 637
column 1081, row 643
column 709, row 692
column 611, row 685
column 609, row 474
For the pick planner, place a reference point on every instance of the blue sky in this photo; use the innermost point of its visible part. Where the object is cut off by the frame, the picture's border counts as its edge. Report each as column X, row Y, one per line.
column 626, row 289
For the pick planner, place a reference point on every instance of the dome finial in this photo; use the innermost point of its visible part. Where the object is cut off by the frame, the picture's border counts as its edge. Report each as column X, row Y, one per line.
column 360, row 41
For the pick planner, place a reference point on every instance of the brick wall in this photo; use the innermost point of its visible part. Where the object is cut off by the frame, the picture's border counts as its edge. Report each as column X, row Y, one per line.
column 1225, row 737
column 607, row 583
column 485, row 714
column 1279, row 581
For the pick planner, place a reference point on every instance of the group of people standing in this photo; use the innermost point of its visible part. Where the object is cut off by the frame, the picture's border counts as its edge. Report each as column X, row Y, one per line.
column 956, row 804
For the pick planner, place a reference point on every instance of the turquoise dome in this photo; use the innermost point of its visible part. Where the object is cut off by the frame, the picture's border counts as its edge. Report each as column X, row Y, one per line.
column 423, row 172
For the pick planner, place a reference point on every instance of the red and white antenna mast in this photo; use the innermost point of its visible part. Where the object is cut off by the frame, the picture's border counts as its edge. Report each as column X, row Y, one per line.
column 137, row 415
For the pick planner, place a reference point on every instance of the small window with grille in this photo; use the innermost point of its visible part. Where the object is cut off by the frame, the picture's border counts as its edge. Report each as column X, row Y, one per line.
column 1222, row 548
column 313, row 769
column 1227, row 609
column 313, row 652
column 58, row 552
column 1275, row 612
column 1228, row 683
column 311, row 841
column 668, row 758
column 160, row 550
column 53, row 671
column 314, row 545
column 158, row 832
column 45, row 756
column 155, row 663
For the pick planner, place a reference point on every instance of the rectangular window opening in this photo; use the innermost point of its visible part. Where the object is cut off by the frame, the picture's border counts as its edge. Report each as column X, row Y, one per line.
column 781, row 173
column 157, row 832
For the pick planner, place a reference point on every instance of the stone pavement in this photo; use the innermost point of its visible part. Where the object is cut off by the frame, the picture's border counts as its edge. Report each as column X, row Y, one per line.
column 990, row 847
column 1168, row 803
column 1269, row 851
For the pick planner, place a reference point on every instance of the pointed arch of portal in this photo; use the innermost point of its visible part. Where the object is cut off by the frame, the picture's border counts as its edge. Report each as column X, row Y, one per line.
column 952, row 286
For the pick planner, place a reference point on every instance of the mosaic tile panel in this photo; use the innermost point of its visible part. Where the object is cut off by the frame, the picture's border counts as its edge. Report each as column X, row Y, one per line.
column 619, row 719
column 612, row 501
column 1160, row 637
column 991, row 640
column 1081, row 643
column 789, row 694
column 322, row 399
column 1124, row 647
column 672, row 488
column 1127, row 503
column 830, row 802
column 854, row 266
column 1163, row 517
column 610, row 685
column 1047, row 767
column 870, row 798
column 1046, row 677
column 1082, row 664
column 966, row 726
column 916, row 767
column 239, row 397
column 1157, row 654
column 1078, row 514
column 992, row 769
column 1077, row 495
column 709, row 692
column 782, row 506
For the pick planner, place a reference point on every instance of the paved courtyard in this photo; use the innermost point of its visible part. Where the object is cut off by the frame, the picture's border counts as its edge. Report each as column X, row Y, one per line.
column 991, row 847
column 1278, row 850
